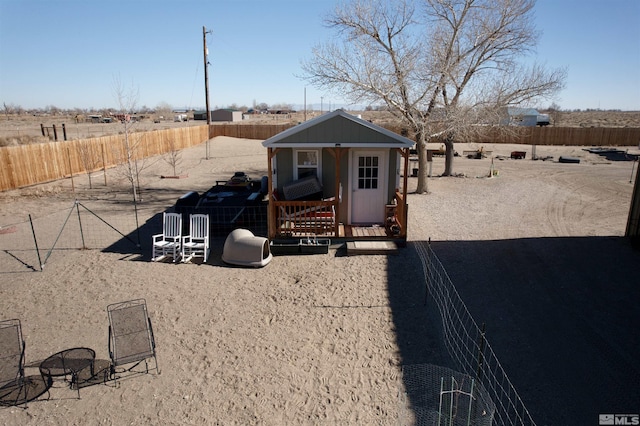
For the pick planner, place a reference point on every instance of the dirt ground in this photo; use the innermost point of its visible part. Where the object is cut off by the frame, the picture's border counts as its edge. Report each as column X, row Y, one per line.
column 537, row 253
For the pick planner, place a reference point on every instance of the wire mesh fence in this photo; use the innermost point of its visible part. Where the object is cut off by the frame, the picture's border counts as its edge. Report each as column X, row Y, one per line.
column 224, row 219
column 28, row 245
column 467, row 346
column 436, row 395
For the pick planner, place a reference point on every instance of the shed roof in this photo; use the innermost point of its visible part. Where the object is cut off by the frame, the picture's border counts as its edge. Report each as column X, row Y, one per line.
column 227, row 110
column 337, row 127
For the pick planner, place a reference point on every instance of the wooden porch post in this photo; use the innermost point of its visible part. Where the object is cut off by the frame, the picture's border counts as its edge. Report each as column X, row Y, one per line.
column 405, row 179
column 338, row 154
column 271, row 220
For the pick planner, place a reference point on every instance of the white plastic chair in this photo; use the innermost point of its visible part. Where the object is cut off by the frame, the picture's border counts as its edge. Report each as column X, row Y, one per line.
column 170, row 241
column 196, row 244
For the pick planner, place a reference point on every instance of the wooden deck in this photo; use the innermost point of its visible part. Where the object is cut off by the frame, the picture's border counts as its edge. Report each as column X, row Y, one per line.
column 355, row 248
column 375, row 231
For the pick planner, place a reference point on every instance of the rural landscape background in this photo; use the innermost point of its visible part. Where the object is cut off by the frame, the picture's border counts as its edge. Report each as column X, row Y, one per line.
column 24, row 128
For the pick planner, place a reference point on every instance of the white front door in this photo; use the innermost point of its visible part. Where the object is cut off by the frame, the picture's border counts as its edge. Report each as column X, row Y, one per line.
column 368, row 185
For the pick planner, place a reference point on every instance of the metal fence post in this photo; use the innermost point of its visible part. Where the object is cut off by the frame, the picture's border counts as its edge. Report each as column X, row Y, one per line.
column 481, row 354
column 35, row 241
column 84, row 246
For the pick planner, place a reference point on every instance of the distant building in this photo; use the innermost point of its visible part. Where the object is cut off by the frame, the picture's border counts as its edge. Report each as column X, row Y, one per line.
column 515, row 116
column 226, row 114
column 200, row 115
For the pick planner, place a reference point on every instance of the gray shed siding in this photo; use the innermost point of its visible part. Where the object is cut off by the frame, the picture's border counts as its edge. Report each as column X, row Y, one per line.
column 337, row 130
column 284, row 162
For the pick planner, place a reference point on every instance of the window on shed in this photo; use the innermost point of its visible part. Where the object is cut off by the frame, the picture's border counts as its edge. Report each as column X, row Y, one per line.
column 368, row 172
column 307, row 163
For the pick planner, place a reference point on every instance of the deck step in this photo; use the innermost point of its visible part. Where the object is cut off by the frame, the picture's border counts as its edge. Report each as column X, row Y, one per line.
column 355, row 248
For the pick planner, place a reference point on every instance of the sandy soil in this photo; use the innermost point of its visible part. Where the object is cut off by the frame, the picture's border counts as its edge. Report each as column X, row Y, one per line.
column 537, row 254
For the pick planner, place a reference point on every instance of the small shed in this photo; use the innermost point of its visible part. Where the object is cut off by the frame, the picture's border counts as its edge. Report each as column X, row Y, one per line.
column 226, row 114
column 200, row 115
column 352, row 168
column 516, row 116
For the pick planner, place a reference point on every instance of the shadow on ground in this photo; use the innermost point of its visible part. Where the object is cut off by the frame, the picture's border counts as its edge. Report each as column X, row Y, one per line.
column 561, row 314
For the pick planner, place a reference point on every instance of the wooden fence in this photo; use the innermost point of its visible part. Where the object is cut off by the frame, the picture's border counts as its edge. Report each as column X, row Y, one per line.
column 26, row 165
column 248, row 131
column 574, row 136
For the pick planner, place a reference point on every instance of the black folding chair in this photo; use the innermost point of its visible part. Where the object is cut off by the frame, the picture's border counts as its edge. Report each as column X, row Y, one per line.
column 131, row 338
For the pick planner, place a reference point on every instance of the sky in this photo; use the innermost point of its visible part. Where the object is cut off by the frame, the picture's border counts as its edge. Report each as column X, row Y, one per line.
column 73, row 53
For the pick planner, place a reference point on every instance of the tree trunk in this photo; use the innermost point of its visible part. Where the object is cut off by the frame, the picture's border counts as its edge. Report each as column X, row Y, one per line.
column 421, row 146
column 448, row 157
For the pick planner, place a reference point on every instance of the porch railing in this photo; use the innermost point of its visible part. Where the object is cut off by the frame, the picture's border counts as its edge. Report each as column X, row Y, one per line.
column 401, row 214
column 308, row 218
column 304, row 218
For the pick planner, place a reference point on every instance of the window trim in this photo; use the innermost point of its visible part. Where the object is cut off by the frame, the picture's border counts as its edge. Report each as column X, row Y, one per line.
column 318, row 166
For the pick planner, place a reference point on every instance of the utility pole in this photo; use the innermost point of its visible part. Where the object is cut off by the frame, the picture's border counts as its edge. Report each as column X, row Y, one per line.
column 206, row 82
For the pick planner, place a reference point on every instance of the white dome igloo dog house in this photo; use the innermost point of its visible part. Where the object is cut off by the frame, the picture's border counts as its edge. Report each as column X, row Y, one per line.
column 242, row 248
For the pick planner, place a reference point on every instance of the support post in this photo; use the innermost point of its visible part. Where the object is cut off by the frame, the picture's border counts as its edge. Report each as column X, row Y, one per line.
column 80, row 225
column 481, row 344
column 336, row 231
column 104, row 165
column 206, row 83
column 271, row 219
column 35, row 241
column 73, row 188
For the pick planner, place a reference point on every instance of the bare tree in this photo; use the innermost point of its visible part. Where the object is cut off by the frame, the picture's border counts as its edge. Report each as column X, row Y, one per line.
column 164, row 109
column 10, row 109
column 89, row 158
column 131, row 165
column 555, row 111
column 447, row 70
column 173, row 157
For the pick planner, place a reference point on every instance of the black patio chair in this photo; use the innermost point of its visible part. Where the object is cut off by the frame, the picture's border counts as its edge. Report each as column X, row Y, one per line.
column 15, row 388
column 131, row 339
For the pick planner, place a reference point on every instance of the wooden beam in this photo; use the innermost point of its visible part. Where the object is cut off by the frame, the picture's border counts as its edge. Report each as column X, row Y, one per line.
column 405, row 180
column 271, row 218
column 337, row 154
